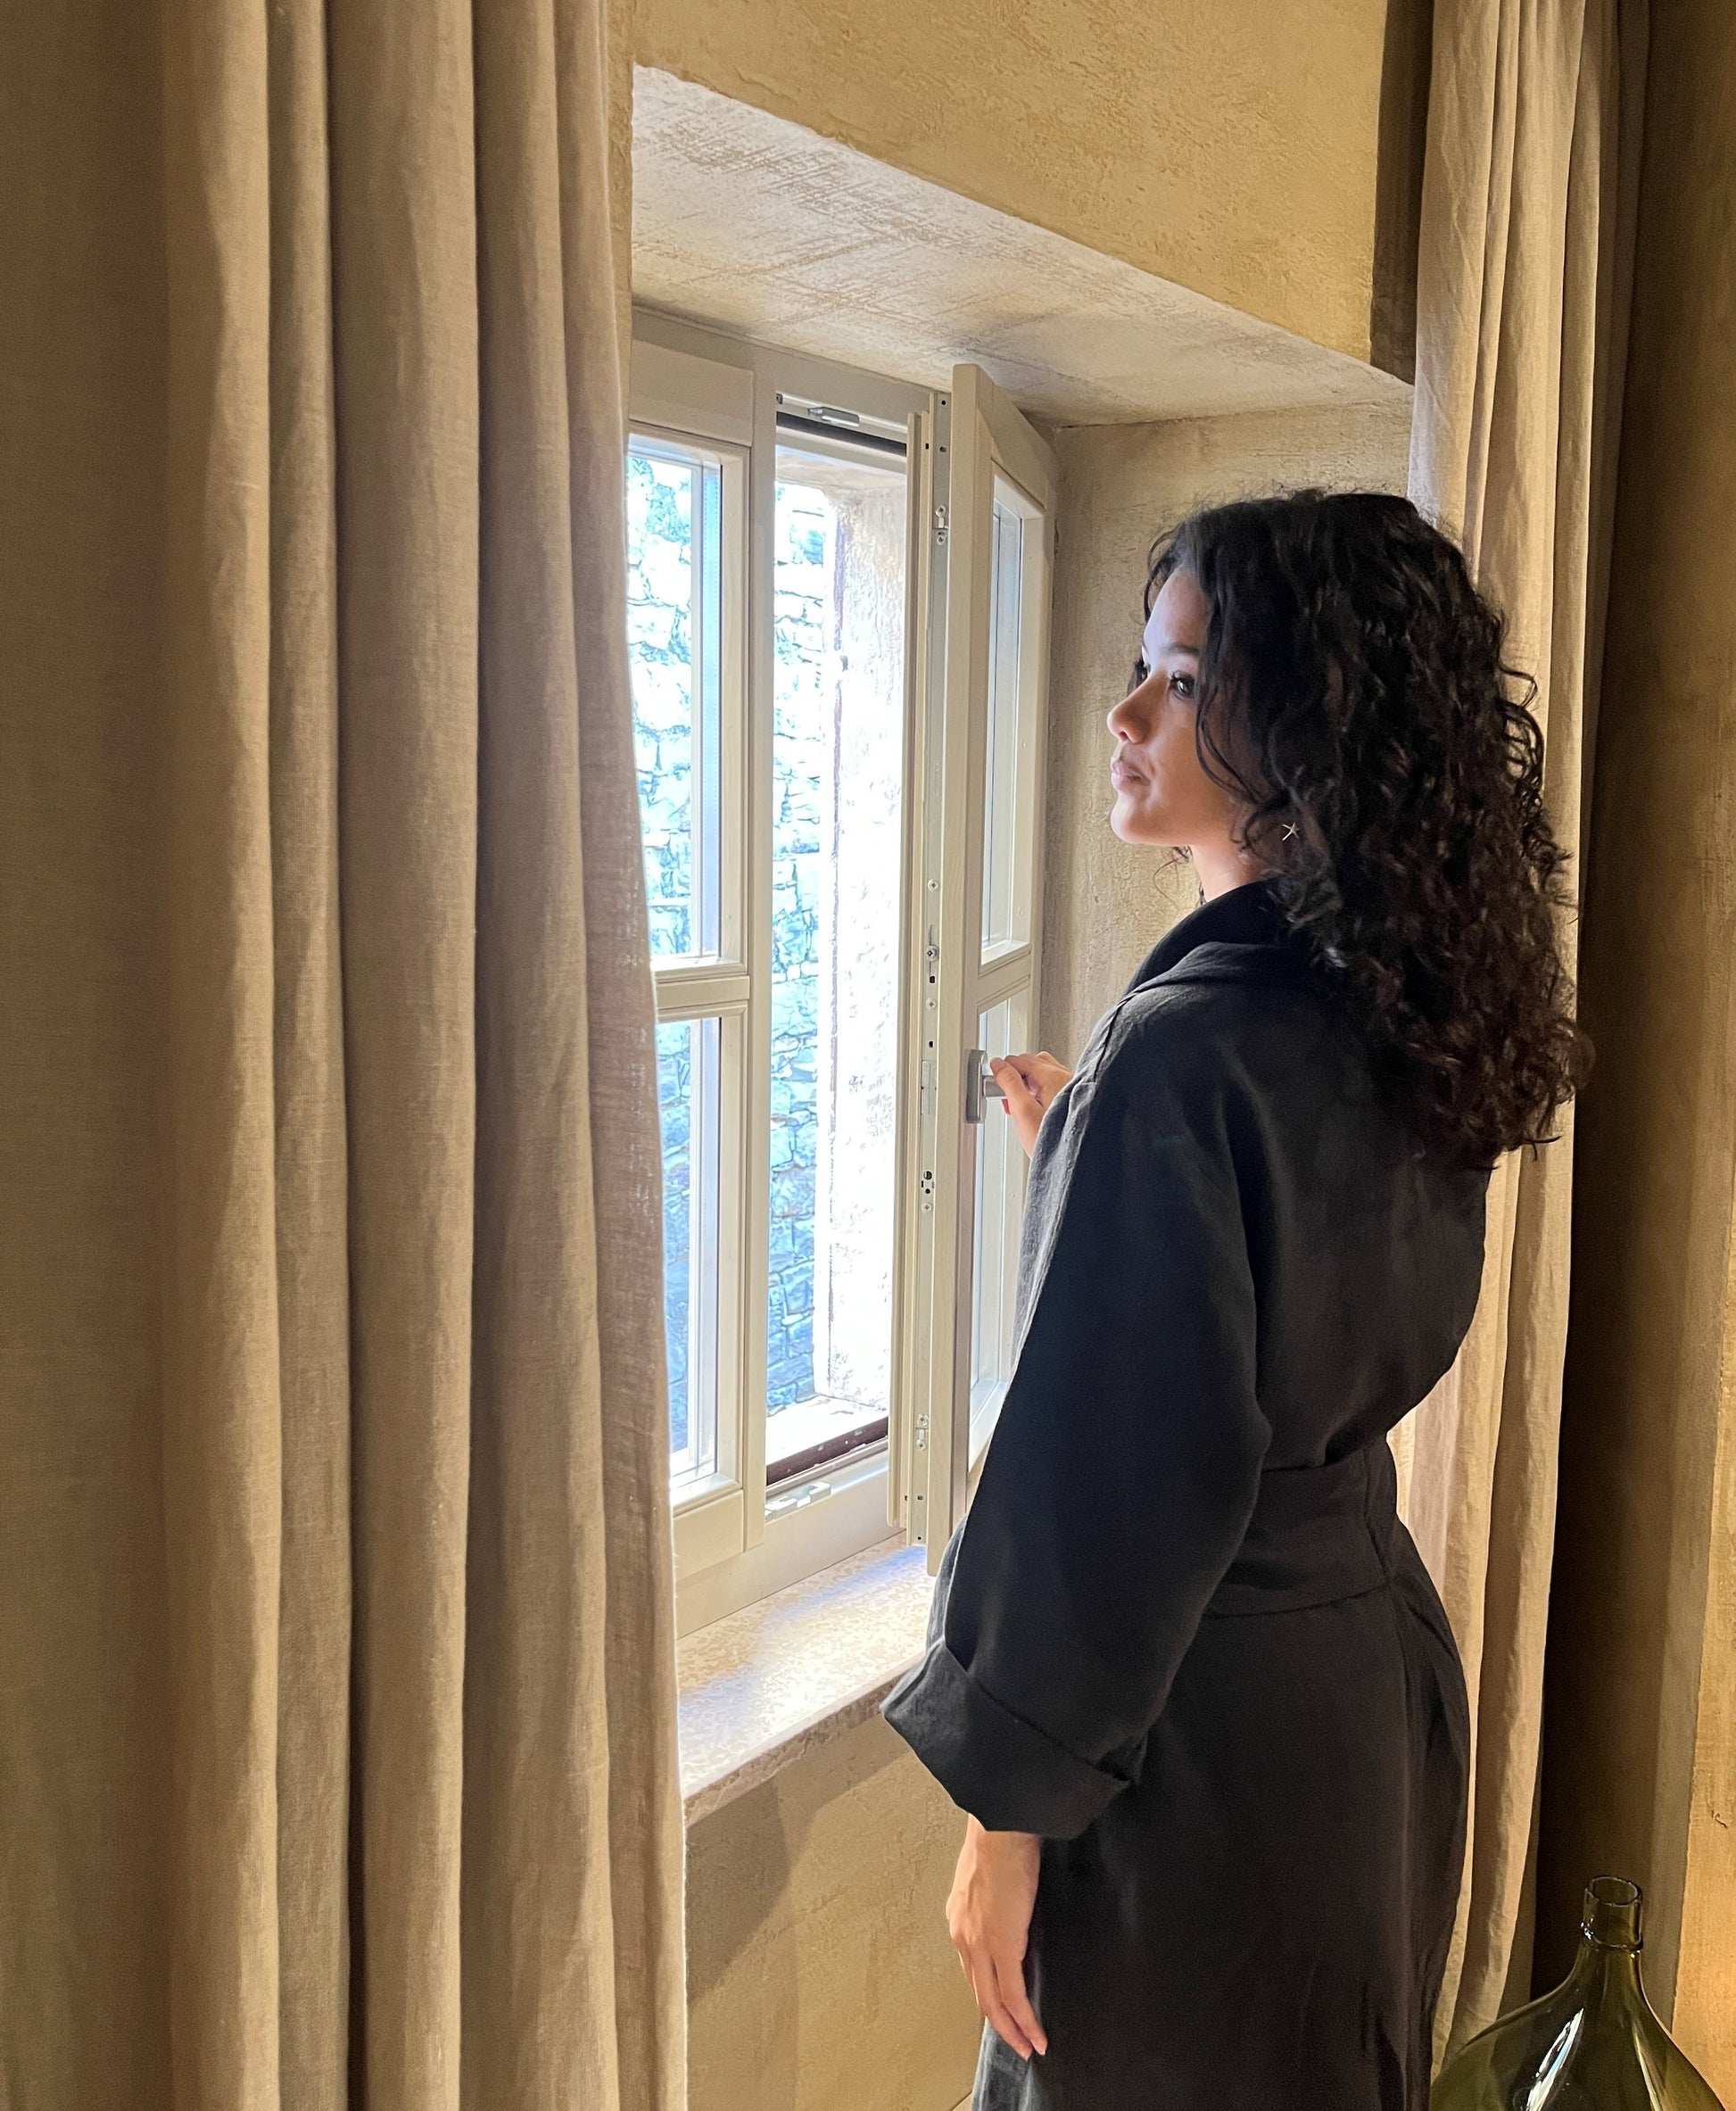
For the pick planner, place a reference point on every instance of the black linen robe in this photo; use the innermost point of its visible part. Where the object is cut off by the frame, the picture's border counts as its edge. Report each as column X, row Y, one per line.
column 1182, row 1633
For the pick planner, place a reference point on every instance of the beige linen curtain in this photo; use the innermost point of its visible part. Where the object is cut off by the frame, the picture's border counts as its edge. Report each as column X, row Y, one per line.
column 337, row 1759
column 1522, row 299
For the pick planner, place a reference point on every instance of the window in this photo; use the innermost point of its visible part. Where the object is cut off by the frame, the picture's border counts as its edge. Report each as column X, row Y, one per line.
column 807, row 750
column 1017, row 586
column 986, row 704
column 837, row 741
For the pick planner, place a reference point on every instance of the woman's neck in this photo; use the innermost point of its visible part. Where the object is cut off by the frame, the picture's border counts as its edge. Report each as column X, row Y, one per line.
column 1221, row 866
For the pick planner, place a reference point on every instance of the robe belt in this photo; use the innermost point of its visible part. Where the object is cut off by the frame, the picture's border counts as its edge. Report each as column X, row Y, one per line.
column 1317, row 1533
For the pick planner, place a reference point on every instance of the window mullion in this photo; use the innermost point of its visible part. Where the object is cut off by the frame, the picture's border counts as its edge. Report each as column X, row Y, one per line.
column 701, row 991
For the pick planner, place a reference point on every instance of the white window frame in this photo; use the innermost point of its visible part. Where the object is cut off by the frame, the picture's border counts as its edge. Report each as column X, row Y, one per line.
column 733, row 1544
column 702, row 389
column 715, row 984
column 1009, row 969
column 980, row 440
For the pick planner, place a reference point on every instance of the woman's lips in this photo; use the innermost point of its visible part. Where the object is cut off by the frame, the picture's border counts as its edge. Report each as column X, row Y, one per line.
column 1121, row 777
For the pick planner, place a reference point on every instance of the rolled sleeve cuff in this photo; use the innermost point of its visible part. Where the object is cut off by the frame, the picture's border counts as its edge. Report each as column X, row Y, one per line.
column 1010, row 1775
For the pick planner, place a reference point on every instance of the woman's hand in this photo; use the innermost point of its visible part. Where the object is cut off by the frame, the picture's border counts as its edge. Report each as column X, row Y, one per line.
column 989, row 1919
column 1031, row 1083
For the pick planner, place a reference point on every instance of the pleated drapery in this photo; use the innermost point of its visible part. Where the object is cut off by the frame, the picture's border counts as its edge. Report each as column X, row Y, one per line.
column 1523, row 282
column 337, row 1755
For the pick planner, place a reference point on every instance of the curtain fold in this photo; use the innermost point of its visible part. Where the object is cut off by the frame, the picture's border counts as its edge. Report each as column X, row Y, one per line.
column 1524, row 270
column 370, row 1736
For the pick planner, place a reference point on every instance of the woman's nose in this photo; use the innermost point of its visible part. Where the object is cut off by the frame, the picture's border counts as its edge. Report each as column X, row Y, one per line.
column 1122, row 722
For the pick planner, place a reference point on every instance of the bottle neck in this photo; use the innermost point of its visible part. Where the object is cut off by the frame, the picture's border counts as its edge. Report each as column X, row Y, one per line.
column 1603, row 1972
column 1608, row 1967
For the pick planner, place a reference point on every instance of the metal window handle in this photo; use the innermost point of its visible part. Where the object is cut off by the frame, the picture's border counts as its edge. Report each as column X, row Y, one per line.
column 979, row 1084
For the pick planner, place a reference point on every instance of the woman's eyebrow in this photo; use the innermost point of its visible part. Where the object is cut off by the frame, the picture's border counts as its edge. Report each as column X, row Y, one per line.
column 1169, row 646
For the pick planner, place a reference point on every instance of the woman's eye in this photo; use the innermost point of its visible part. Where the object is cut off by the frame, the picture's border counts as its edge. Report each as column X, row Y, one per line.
column 1182, row 685
column 1141, row 673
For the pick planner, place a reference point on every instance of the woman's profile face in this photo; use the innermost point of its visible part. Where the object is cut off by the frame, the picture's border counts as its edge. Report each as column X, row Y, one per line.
column 1162, row 794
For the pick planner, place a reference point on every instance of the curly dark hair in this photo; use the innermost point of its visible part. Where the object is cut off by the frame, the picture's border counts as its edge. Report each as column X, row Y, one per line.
column 1353, row 690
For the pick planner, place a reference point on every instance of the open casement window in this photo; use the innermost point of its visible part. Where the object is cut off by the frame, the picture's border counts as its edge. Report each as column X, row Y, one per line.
column 839, row 791
column 975, row 917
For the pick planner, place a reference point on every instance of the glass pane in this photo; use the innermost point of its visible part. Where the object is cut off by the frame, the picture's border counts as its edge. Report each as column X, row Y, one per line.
column 1004, row 821
column 687, row 1102
column 1000, row 1209
column 674, row 590
column 836, row 857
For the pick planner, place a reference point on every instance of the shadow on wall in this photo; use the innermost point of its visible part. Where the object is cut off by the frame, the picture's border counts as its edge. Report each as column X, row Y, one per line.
column 820, row 1977
column 1105, row 902
column 738, row 1867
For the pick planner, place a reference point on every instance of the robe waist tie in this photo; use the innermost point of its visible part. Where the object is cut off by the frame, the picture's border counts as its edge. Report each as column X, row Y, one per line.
column 1317, row 1533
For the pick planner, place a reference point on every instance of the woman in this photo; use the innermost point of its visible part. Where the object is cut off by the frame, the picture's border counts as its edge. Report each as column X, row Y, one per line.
column 1186, row 1670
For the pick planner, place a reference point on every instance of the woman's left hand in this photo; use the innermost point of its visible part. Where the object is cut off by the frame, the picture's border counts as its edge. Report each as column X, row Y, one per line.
column 989, row 1919
column 1029, row 1084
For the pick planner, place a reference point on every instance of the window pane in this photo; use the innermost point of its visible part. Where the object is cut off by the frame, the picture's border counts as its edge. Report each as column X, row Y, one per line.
column 838, row 764
column 674, row 583
column 687, row 1102
column 1004, row 823
column 1000, row 1209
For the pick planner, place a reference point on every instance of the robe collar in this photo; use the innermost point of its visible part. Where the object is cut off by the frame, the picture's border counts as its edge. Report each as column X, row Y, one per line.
column 1239, row 936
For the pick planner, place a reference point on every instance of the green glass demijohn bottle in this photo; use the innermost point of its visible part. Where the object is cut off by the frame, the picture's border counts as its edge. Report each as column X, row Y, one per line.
column 1592, row 2045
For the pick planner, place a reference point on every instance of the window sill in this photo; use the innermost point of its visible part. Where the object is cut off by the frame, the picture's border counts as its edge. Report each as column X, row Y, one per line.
column 762, row 1686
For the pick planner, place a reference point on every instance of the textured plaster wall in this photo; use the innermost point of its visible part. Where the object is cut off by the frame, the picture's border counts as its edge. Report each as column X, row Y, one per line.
column 1246, row 151
column 1640, row 1733
column 1105, row 902
column 820, row 1977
